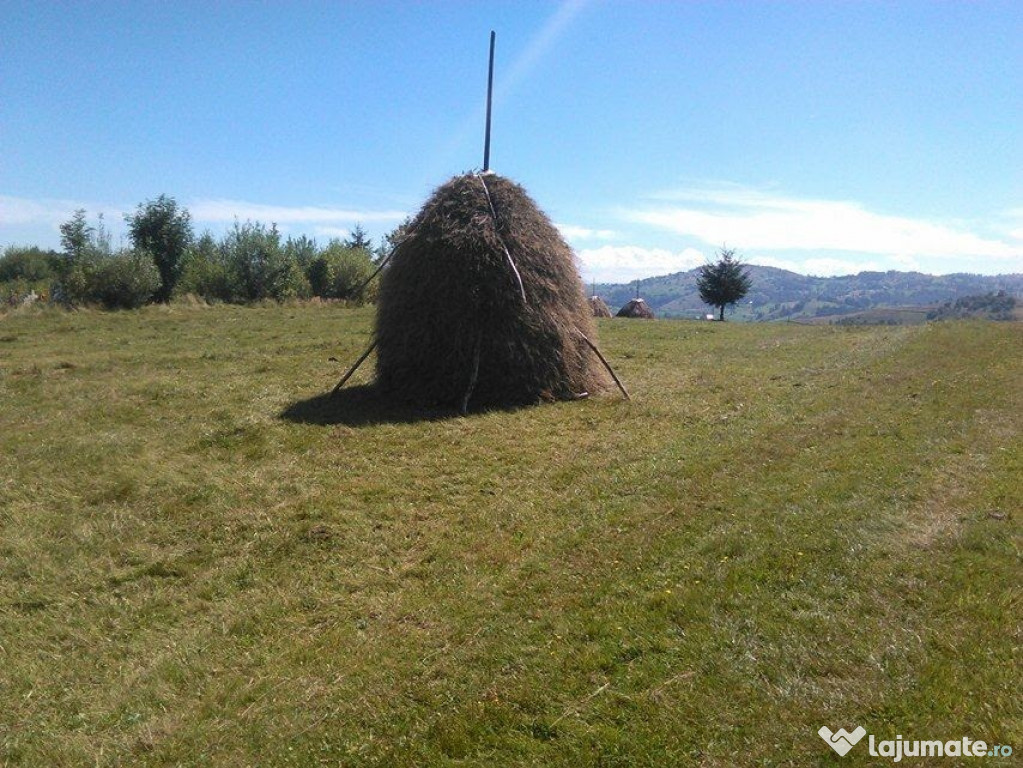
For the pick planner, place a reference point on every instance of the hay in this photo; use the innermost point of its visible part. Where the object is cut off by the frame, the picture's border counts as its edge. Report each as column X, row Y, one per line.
column 599, row 307
column 451, row 319
column 636, row 308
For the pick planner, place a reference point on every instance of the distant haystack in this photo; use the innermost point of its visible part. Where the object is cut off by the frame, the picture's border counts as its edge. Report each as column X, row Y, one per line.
column 482, row 303
column 636, row 308
column 599, row 307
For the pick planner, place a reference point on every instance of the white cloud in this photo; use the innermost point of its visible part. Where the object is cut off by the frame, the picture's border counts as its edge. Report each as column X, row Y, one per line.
column 331, row 232
column 220, row 210
column 620, row 264
column 574, row 233
column 22, row 211
column 755, row 220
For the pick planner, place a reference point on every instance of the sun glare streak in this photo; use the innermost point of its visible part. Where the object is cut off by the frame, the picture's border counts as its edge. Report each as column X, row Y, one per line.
column 504, row 84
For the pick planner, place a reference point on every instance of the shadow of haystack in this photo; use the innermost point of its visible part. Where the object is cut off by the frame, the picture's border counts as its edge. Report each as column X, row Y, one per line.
column 360, row 406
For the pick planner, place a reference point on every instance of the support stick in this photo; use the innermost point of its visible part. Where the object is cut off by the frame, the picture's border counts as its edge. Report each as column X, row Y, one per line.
column 475, row 374
column 606, row 364
column 379, row 269
column 511, row 261
column 490, row 94
column 354, row 368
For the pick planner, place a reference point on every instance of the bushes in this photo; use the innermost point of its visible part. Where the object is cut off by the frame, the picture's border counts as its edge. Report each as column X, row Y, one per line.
column 250, row 263
column 258, row 267
column 28, row 264
column 123, row 280
column 340, row 271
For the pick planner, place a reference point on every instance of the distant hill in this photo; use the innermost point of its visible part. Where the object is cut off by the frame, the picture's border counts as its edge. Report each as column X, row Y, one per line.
column 778, row 294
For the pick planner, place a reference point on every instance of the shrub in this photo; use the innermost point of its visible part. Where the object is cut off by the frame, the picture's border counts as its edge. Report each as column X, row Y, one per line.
column 123, row 280
column 204, row 272
column 340, row 271
column 30, row 264
column 258, row 267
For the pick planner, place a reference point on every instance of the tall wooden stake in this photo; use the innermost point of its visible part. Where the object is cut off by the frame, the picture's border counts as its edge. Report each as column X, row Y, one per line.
column 490, row 96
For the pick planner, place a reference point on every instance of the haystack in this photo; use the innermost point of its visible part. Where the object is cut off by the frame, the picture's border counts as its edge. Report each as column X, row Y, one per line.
column 636, row 308
column 482, row 303
column 599, row 307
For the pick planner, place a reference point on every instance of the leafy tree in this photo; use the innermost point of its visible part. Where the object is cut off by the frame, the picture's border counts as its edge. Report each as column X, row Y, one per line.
column 164, row 230
column 724, row 282
column 302, row 249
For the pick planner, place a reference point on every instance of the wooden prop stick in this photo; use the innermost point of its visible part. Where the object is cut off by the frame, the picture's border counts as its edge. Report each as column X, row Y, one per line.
column 606, row 364
column 490, row 95
column 475, row 374
column 511, row 261
column 378, row 270
column 354, row 368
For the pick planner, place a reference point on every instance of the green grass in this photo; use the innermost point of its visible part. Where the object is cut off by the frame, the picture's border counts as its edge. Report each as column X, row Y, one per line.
column 204, row 562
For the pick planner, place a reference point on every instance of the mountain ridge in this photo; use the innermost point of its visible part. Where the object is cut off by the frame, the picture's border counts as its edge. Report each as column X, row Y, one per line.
column 778, row 294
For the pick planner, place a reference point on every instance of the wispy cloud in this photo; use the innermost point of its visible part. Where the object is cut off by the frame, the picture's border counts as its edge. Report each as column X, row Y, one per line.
column 20, row 211
column 620, row 264
column 756, row 220
column 539, row 45
column 506, row 81
column 573, row 233
column 320, row 231
column 221, row 210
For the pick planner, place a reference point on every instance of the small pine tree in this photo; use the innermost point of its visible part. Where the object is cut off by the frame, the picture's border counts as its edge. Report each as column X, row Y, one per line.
column 75, row 239
column 359, row 239
column 724, row 282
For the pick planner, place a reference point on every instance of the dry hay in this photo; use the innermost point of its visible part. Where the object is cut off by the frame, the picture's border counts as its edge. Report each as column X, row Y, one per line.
column 636, row 308
column 599, row 307
column 490, row 306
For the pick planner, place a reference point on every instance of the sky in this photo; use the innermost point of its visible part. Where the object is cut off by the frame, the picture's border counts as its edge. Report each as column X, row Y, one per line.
column 819, row 136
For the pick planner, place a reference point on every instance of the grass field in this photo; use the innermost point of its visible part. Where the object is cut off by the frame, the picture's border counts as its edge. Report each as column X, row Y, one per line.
column 205, row 562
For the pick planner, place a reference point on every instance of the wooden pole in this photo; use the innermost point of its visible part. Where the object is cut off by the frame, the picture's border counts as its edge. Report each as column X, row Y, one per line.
column 475, row 373
column 490, row 96
column 354, row 368
column 606, row 364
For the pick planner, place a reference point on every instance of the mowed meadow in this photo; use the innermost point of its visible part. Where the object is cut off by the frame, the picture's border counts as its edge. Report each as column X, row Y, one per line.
column 204, row 561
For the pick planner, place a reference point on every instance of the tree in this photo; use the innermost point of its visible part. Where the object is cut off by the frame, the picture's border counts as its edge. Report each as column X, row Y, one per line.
column 724, row 282
column 163, row 230
column 359, row 239
column 391, row 240
column 75, row 239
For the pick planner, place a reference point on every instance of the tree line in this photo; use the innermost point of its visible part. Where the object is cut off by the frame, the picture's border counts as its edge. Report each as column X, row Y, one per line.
column 251, row 262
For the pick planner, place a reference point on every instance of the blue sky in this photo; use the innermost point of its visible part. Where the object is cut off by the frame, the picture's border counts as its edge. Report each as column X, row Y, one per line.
column 824, row 137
